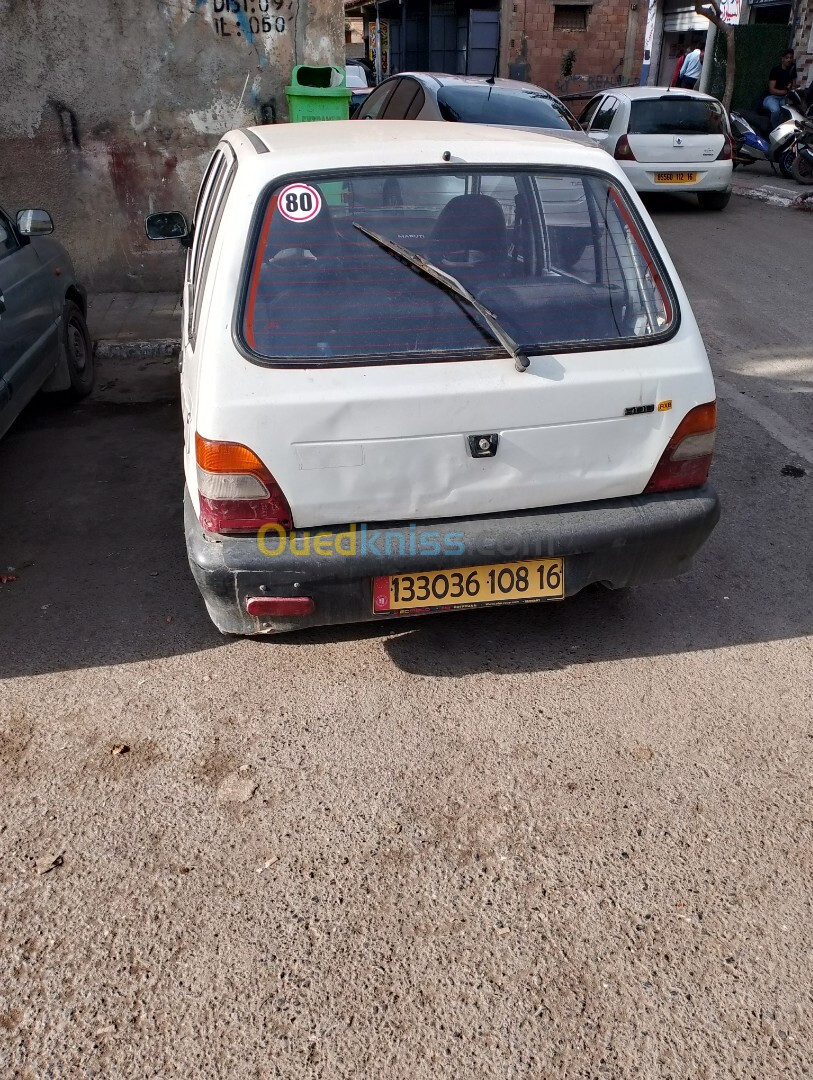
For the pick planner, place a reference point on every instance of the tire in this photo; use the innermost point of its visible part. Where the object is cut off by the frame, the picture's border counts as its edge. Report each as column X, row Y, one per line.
column 786, row 162
column 803, row 169
column 714, row 200
column 78, row 350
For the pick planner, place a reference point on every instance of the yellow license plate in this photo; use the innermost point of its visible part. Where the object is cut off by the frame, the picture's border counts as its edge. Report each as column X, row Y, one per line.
column 470, row 586
column 675, row 177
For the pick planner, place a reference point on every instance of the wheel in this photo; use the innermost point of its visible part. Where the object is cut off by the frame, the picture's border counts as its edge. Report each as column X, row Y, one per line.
column 78, row 350
column 803, row 169
column 713, row 200
column 785, row 163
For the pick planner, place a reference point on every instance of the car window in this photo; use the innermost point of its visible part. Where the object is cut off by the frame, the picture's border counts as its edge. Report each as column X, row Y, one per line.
column 8, row 239
column 604, row 115
column 401, row 99
column 676, row 115
column 559, row 257
column 201, row 229
column 418, row 103
column 479, row 103
column 212, row 216
column 588, row 113
column 375, row 104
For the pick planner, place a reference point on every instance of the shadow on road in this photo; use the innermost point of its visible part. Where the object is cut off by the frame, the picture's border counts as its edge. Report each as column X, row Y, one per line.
column 92, row 525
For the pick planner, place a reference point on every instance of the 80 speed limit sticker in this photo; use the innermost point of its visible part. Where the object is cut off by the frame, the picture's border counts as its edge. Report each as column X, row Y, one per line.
column 299, row 202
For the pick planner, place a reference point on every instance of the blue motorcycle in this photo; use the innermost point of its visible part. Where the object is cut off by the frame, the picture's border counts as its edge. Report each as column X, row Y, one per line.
column 756, row 138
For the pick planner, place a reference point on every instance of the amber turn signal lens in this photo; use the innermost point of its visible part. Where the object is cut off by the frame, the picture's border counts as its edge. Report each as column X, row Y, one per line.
column 226, row 457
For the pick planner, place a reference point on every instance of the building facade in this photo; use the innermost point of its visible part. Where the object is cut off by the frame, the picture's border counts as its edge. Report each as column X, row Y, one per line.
column 116, row 106
column 571, row 48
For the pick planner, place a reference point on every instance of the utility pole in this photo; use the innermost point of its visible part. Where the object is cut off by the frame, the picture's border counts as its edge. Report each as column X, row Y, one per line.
column 377, row 44
column 708, row 60
column 629, row 43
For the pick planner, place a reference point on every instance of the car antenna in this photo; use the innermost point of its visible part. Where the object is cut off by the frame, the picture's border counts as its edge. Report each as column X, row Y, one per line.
column 493, row 75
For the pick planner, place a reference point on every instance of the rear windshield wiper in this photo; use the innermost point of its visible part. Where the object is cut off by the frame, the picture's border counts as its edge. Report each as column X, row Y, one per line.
column 453, row 286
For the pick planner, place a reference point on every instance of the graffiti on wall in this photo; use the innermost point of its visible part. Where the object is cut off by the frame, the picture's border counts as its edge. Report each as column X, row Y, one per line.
column 249, row 19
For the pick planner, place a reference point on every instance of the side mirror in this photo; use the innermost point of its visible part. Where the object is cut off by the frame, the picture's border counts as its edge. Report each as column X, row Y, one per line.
column 169, row 226
column 34, row 223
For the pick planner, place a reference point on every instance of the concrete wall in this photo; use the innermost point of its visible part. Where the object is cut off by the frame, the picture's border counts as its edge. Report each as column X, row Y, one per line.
column 607, row 53
column 110, row 109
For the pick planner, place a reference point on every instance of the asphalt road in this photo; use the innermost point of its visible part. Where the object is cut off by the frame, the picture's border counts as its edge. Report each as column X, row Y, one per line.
column 558, row 841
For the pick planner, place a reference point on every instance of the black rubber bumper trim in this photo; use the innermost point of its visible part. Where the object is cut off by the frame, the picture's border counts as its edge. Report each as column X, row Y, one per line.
column 618, row 542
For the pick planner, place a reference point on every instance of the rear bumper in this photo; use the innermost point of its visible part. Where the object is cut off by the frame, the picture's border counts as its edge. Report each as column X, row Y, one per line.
column 617, row 542
column 711, row 176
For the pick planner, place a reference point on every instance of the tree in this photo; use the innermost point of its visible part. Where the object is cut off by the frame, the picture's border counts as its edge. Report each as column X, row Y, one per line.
column 712, row 10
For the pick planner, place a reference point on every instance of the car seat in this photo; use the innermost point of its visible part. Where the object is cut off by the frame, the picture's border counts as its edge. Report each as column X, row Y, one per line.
column 470, row 240
column 299, row 286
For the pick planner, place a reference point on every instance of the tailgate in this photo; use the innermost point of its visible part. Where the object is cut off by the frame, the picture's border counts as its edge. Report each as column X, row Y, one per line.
column 676, row 130
column 390, row 444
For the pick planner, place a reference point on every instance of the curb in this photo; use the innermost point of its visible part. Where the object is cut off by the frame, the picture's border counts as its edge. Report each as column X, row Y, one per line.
column 158, row 349
column 771, row 195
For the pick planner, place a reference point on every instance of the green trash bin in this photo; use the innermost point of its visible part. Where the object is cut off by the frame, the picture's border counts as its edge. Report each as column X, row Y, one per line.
column 317, row 93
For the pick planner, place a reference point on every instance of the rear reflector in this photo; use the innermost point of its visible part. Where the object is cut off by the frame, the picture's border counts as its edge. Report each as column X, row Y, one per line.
column 237, row 492
column 280, row 605
column 686, row 461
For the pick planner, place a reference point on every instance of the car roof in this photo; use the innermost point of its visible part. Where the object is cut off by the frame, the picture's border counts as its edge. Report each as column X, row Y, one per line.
column 344, row 144
column 383, row 142
column 440, row 78
column 636, row 93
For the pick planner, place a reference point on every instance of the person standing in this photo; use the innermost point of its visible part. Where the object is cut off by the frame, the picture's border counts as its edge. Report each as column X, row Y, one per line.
column 691, row 68
column 681, row 56
column 781, row 79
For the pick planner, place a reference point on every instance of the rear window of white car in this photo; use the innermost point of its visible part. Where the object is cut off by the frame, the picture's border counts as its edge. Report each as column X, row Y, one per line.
column 674, row 115
column 559, row 258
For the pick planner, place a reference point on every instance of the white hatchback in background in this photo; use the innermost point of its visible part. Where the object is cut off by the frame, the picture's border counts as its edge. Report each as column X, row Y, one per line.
column 665, row 140
column 404, row 390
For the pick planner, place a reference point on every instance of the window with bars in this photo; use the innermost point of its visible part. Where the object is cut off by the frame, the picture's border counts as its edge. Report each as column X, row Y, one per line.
column 570, row 16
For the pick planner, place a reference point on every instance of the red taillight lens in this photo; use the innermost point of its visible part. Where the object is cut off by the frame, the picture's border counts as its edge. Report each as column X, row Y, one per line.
column 237, row 492
column 725, row 154
column 623, row 150
column 686, row 461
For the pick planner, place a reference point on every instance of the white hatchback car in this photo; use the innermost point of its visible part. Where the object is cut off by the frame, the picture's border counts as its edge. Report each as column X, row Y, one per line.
column 666, row 140
column 402, row 395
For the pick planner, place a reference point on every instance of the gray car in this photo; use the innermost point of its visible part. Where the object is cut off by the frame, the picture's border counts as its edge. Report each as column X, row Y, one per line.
column 44, row 339
column 468, row 99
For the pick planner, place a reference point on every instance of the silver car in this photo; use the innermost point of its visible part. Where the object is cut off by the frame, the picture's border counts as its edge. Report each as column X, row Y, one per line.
column 468, row 99
column 44, row 339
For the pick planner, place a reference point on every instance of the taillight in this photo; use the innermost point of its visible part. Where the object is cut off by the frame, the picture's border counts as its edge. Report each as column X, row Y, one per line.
column 237, row 492
column 623, row 150
column 726, row 154
column 686, row 460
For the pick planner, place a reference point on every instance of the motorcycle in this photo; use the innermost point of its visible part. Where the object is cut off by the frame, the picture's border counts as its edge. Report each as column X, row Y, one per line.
column 803, row 163
column 756, row 140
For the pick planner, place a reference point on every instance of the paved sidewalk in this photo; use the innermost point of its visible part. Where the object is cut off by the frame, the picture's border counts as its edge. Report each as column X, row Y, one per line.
column 759, row 182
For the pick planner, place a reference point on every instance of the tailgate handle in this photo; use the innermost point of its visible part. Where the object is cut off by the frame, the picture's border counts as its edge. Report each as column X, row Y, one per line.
column 483, row 445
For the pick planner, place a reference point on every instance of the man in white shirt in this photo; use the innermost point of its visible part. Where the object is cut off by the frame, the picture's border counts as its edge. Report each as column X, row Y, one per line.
column 690, row 72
